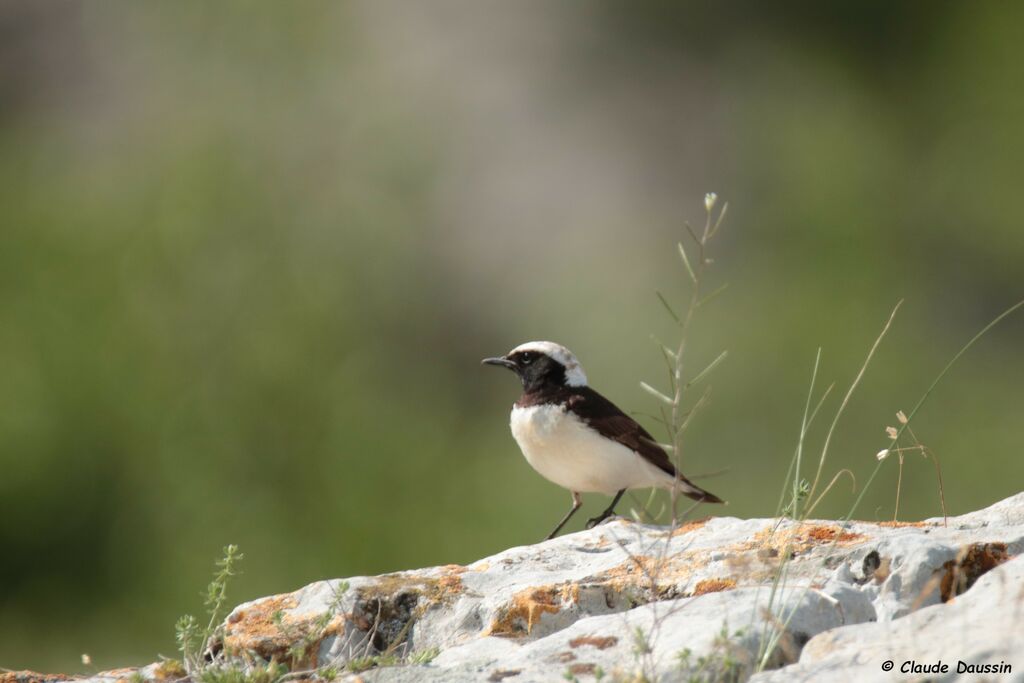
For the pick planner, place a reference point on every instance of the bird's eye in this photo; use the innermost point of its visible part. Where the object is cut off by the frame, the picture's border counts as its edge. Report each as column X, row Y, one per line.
column 526, row 358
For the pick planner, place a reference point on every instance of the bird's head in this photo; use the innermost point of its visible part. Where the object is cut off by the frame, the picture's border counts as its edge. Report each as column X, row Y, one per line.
column 542, row 363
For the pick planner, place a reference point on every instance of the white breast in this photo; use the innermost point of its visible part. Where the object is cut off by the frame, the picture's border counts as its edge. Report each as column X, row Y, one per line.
column 569, row 453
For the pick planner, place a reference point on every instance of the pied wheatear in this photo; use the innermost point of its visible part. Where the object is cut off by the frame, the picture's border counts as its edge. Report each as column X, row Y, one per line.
column 580, row 440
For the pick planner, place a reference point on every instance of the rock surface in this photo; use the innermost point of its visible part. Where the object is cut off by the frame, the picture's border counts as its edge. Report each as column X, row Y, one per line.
column 985, row 625
column 716, row 598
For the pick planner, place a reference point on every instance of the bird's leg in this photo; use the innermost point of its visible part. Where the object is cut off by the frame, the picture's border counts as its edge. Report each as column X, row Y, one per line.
column 607, row 513
column 576, row 502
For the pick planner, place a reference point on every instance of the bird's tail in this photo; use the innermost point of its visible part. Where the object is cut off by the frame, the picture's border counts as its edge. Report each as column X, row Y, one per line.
column 691, row 490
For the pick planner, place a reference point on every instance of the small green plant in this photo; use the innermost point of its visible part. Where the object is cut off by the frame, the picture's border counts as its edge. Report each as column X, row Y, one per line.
column 423, row 656
column 800, row 494
column 726, row 663
column 641, row 646
column 643, row 651
column 242, row 672
column 328, row 673
column 194, row 640
column 360, row 664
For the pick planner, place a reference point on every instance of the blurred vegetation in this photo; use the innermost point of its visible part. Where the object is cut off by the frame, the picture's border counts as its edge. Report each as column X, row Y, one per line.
column 250, row 258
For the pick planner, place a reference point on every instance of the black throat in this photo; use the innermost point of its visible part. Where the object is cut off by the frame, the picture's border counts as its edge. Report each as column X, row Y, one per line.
column 542, row 376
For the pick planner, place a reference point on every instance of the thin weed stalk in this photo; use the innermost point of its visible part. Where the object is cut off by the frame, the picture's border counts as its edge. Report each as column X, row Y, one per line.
column 842, row 409
column 771, row 640
column 899, row 452
column 673, row 416
column 905, row 425
column 775, row 628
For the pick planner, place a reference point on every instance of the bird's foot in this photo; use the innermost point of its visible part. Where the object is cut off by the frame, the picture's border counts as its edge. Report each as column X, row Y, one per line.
column 591, row 523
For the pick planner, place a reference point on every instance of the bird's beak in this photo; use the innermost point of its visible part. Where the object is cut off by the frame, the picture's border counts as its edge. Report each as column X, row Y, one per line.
column 499, row 361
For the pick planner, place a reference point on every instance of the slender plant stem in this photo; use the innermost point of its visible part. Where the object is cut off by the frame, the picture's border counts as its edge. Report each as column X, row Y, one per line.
column 928, row 393
column 846, row 399
column 676, row 379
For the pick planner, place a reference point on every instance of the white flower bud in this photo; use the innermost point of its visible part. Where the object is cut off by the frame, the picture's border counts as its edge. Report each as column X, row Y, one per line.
column 882, row 454
column 709, row 201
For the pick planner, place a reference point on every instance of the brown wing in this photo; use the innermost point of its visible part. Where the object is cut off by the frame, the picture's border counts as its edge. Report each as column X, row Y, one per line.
column 604, row 417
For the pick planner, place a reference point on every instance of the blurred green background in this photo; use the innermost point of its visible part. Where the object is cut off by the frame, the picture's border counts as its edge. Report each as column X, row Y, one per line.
column 251, row 256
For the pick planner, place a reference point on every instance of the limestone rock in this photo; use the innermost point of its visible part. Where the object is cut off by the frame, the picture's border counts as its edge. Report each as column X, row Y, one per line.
column 714, row 598
column 626, row 597
column 985, row 625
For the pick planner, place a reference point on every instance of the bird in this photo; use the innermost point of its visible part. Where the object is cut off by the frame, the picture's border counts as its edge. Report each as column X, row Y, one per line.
column 576, row 438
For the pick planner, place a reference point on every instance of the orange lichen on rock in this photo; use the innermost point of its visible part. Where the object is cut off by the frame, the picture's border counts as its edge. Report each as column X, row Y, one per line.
column 830, row 533
column 270, row 627
column 799, row 538
column 600, row 642
column 166, row 670
column 971, row 563
column 525, row 609
column 691, row 526
column 639, row 570
column 432, row 589
column 450, row 584
column 713, row 586
column 33, row 677
column 255, row 623
column 583, row 669
column 267, row 629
